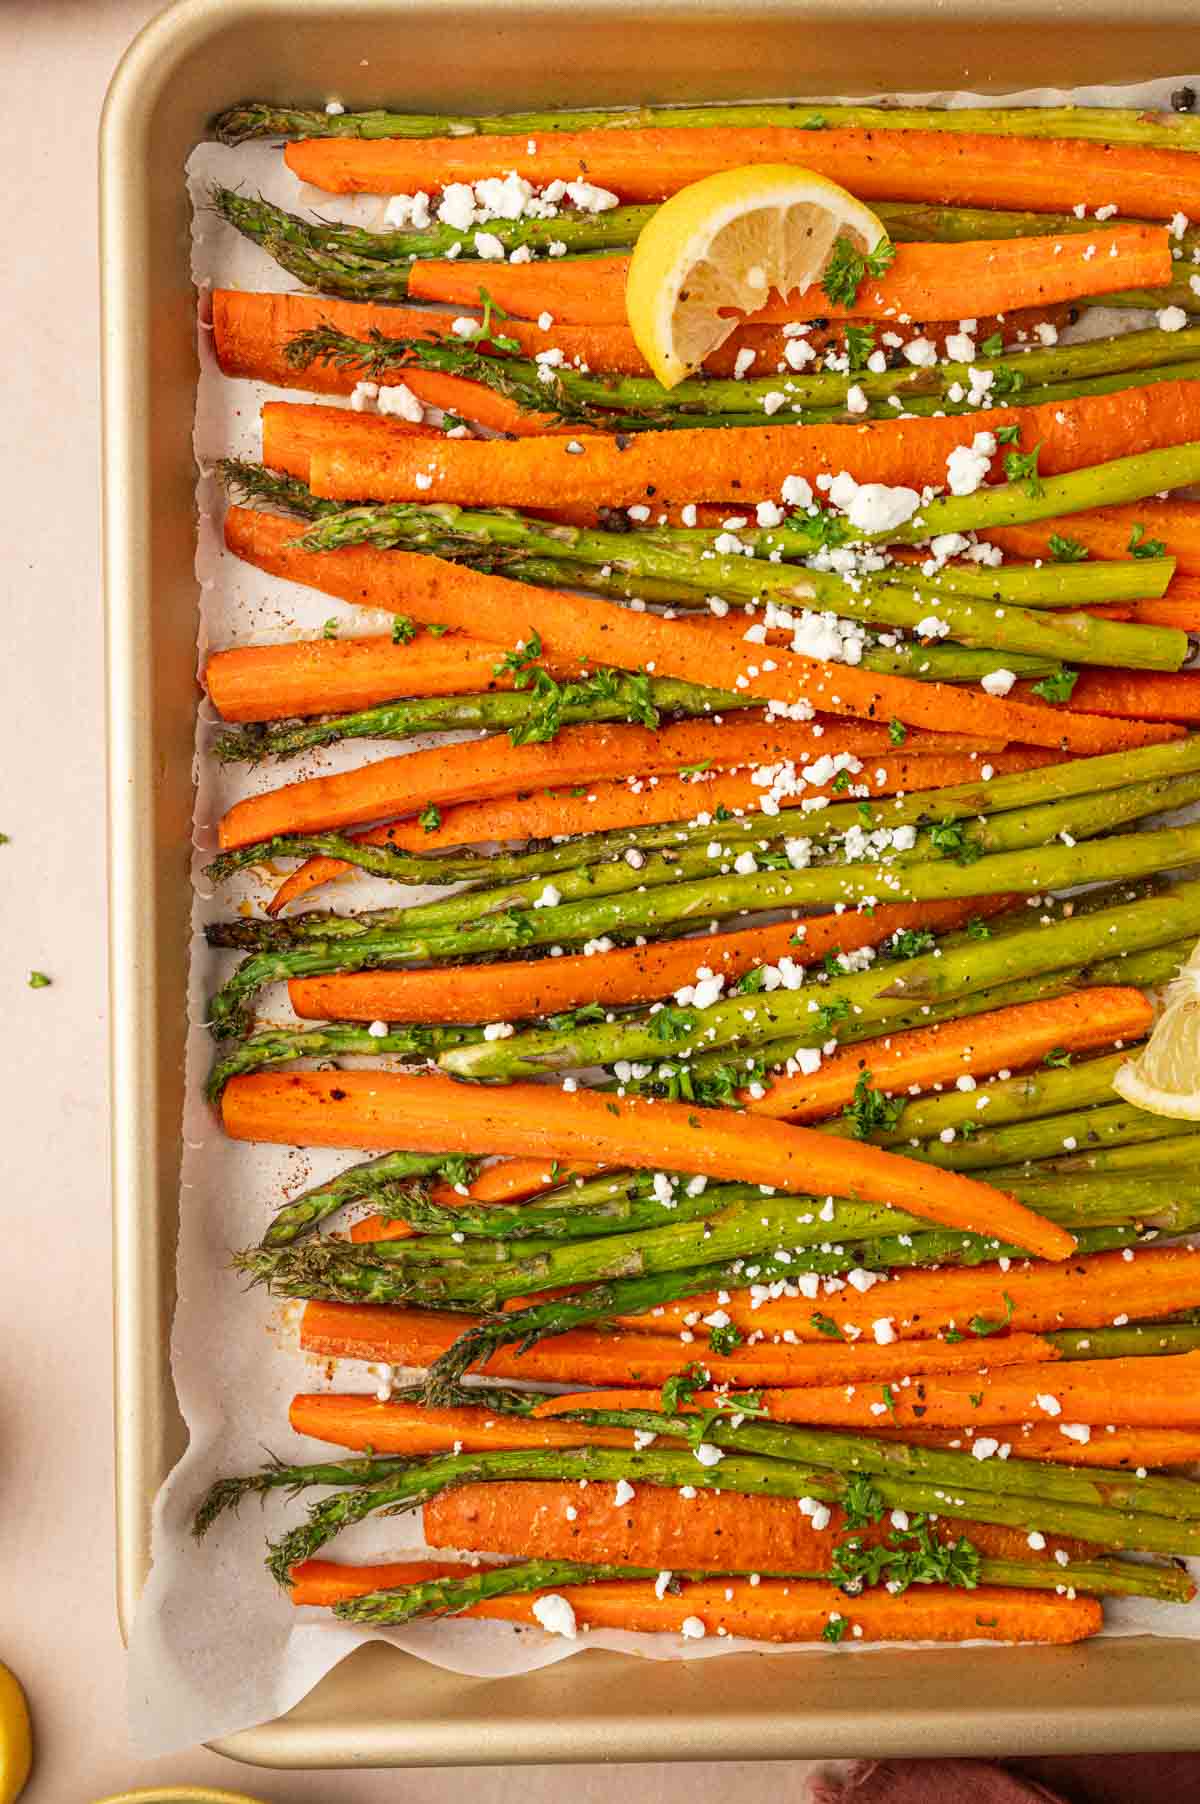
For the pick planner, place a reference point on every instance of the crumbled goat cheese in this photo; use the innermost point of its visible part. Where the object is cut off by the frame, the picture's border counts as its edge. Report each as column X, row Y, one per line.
column 555, row 1615
column 998, row 682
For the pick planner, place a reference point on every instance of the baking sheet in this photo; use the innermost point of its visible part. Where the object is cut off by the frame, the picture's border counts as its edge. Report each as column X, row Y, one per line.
column 215, row 1647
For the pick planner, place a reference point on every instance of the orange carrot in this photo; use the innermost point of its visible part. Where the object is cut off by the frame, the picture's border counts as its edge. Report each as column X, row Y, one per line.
column 365, row 1423
column 698, row 464
column 329, row 676
column 1105, row 532
column 252, row 331
column 1139, row 694
column 934, row 281
column 512, row 992
column 1086, row 1293
column 292, row 431
column 1120, row 1449
column 789, row 1610
column 981, row 1046
column 649, row 163
column 586, row 1356
column 660, row 1528
column 430, row 1114
column 612, row 803
column 574, row 626
column 471, row 770
column 503, row 1181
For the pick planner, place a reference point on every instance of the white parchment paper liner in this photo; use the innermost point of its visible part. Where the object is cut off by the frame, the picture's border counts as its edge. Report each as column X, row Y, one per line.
column 215, row 1646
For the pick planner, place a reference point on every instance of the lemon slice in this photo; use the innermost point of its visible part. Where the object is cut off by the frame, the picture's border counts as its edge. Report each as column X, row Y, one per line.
column 722, row 245
column 1164, row 1079
column 16, row 1740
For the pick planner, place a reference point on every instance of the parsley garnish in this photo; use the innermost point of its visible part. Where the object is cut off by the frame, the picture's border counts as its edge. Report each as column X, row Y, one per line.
column 1022, row 466
column 841, row 783
column 871, row 1111
column 992, row 347
column 830, row 1013
column 725, row 1339
column 980, row 1325
column 519, row 925
column 694, row 770
column 914, row 1556
column 1066, row 551
column 1058, row 687
column 38, row 980
column 835, row 1628
column 847, row 269
column 860, row 342
column 749, row 983
column 897, row 732
column 430, row 818
column 671, row 1023
column 825, row 1324
column 681, row 1387
column 404, row 630
column 909, row 942
column 890, row 1401
column 330, row 628
column 861, row 1502
column 1058, row 1058
column 1008, row 435
column 1141, row 546
column 978, row 929
column 950, row 839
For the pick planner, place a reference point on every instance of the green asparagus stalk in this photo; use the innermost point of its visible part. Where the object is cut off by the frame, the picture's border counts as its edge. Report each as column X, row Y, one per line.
column 769, row 1016
column 1104, row 125
column 450, row 1596
column 1122, row 1343
column 1108, row 1124
column 1117, row 1528
column 582, row 399
column 284, row 1045
column 528, row 716
column 1171, row 1153
column 1051, row 1089
column 393, row 1183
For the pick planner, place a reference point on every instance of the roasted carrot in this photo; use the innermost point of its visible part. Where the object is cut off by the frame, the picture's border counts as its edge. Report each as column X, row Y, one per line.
column 574, row 626
column 1120, row 1449
column 293, row 430
column 1003, row 1038
column 503, row 1181
column 1105, row 532
column 1139, row 694
column 471, row 770
column 628, row 1359
column 330, row 676
column 966, row 169
column 365, row 1423
column 775, row 1610
column 512, row 992
column 430, row 1114
column 934, row 281
column 251, row 333
column 613, row 803
column 660, row 1528
column 698, row 464
column 1086, row 1293
column 1179, row 607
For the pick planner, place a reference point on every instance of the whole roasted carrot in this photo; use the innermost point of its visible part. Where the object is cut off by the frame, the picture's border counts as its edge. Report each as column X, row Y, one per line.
column 395, row 1427
column 512, row 991
column 1086, row 1293
column 965, row 169
column 775, row 1610
column 471, row 770
column 927, row 1056
column 574, row 626
column 933, row 281
column 739, row 463
column 430, row 1114
column 660, row 1528
column 615, row 803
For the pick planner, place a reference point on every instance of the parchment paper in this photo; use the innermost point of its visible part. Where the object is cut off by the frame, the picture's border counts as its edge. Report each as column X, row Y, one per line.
column 215, row 1646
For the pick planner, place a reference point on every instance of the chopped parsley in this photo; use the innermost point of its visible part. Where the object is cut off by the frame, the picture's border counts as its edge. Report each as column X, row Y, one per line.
column 861, row 1502
column 39, row 981
column 671, row 1023
column 1022, row 466
column 1141, row 546
column 978, row 929
column 992, row 347
column 725, row 1339
column 430, row 818
column 835, row 1628
column 1058, row 1058
column 871, row 1111
column 913, row 1556
column 404, row 630
column 949, row 838
column 847, row 269
column 1065, row 550
column 1058, row 687
column 980, row 1324
column 897, row 732
column 681, row 1387
column 860, row 342
column 825, row 1324
column 330, row 628
column 909, row 942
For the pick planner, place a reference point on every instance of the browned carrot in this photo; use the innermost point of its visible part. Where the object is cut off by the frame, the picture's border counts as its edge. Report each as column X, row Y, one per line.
column 327, row 676
column 512, row 992
column 1003, row 1038
column 613, row 803
column 430, row 1114
column 574, row 626
column 701, row 465
column 503, row 1181
column 293, row 430
column 1105, row 532
column 775, row 1610
column 251, row 332
column 1118, row 1448
column 1139, row 694
column 924, row 280
column 416, row 1337
column 469, row 770
column 1086, row 1293
column 364, row 1422
column 649, row 163
column 659, row 1528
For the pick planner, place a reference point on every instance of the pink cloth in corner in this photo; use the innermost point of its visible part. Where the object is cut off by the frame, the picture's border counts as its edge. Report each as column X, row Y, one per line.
column 929, row 1782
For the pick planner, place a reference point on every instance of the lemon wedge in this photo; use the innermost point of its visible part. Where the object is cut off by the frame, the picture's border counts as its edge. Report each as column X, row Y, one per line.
column 719, row 247
column 16, row 1740
column 1164, row 1079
